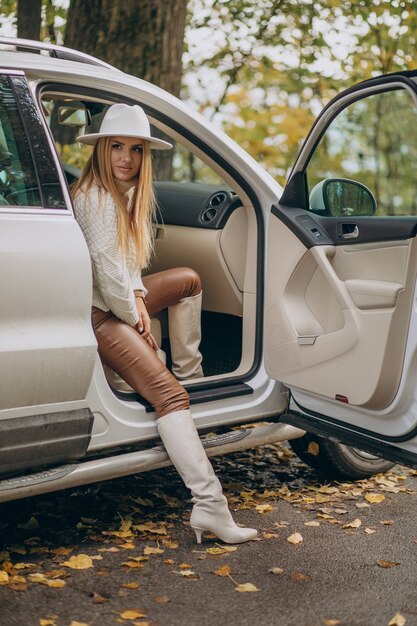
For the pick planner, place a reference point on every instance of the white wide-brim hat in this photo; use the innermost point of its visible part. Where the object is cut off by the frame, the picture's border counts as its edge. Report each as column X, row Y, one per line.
column 123, row 120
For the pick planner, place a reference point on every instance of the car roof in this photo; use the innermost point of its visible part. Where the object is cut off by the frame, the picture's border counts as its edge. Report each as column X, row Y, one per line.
column 20, row 46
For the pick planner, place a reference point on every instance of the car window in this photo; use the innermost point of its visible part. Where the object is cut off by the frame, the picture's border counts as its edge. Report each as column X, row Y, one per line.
column 177, row 165
column 18, row 180
column 365, row 162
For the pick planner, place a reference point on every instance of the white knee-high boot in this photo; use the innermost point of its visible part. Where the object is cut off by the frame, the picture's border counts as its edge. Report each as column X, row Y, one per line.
column 210, row 512
column 184, row 325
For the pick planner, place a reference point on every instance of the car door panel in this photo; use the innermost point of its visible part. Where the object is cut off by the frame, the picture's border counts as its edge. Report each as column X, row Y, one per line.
column 341, row 326
column 342, row 312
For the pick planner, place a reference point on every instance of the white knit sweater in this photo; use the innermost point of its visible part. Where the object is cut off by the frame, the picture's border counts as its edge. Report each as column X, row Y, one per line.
column 115, row 276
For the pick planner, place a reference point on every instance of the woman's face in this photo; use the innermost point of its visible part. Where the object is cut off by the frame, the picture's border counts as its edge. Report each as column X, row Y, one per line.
column 126, row 157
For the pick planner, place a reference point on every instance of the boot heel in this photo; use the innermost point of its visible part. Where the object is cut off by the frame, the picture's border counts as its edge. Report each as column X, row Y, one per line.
column 198, row 533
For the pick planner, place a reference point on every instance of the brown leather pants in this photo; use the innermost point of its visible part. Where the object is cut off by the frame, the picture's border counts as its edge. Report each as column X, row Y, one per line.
column 123, row 349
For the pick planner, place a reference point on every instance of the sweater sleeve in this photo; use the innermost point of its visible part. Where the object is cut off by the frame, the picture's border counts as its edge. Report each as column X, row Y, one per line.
column 96, row 215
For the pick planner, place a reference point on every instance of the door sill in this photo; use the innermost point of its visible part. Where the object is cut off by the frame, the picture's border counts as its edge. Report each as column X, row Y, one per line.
column 197, row 396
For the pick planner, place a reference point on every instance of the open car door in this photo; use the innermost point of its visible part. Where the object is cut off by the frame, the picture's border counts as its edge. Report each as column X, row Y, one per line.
column 340, row 313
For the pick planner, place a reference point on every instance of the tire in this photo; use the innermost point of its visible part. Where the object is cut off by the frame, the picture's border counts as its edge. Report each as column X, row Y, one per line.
column 337, row 460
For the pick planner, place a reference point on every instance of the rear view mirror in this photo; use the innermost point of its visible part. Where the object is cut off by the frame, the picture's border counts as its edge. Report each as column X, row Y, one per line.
column 74, row 116
column 341, row 197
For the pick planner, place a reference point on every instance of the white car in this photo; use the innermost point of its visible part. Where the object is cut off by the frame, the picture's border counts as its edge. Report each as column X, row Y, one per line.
column 309, row 312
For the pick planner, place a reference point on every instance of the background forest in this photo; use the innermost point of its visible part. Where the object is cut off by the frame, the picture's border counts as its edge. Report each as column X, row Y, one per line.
column 260, row 69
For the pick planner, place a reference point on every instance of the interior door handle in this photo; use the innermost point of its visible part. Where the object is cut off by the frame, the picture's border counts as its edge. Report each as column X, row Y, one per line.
column 349, row 231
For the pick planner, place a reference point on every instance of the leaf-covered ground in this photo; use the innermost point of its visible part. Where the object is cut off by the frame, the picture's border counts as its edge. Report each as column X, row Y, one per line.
column 122, row 551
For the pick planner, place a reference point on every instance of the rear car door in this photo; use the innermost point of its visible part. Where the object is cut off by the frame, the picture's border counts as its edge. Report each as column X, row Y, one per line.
column 341, row 320
column 47, row 346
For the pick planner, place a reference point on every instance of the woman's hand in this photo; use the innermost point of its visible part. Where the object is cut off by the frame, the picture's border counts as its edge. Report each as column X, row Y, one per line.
column 144, row 324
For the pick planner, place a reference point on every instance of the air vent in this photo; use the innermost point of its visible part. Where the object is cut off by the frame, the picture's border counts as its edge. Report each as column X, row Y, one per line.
column 218, row 198
column 209, row 215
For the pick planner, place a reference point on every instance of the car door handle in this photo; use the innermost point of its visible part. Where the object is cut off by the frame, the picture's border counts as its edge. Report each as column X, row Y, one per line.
column 349, row 231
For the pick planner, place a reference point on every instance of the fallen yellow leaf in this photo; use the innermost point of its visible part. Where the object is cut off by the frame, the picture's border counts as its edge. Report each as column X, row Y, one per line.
column 185, row 565
column 224, row 570
column 246, row 587
column 47, row 622
column 187, row 573
column 276, row 570
column 387, row 564
column 126, row 525
column 130, row 585
column 151, row 527
column 73, row 623
column 24, row 565
column 370, row 531
column 43, row 580
column 82, row 561
column 216, row 550
column 331, row 622
column 295, row 538
column 230, row 548
column 56, row 573
column 299, row 577
column 4, row 578
column 113, row 549
column 323, row 498
column 397, row 620
column 355, row 524
column 56, row 583
column 327, row 489
column 263, row 508
column 162, row 599
column 313, row 523
column 313, row 448
column 132, row 614
column 122, row 534
column 374, row 498
column 149, row 550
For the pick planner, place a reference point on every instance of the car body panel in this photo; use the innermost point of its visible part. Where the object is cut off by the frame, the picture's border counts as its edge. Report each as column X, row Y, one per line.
column 47, row 347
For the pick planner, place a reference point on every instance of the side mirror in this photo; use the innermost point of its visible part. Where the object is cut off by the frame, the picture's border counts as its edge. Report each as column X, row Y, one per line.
column 341, row 197
column 76, row 117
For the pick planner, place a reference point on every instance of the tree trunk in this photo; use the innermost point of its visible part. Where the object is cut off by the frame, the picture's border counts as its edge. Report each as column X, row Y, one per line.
column 141, row 37
column 29, row 19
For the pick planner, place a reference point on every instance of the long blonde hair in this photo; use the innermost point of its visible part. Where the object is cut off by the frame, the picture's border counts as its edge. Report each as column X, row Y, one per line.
column 134, row 225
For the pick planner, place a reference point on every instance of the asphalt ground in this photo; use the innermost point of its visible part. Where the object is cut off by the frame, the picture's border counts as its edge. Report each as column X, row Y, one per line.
column 353, row 564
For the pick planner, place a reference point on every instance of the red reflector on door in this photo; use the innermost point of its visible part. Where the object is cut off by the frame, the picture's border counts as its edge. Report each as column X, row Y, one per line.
column 341, row 398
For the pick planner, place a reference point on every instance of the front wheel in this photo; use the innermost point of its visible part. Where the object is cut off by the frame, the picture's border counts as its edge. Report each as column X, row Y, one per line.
column 337, row 460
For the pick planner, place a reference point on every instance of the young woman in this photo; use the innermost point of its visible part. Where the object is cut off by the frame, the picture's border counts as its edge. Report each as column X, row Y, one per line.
column 114, row 204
